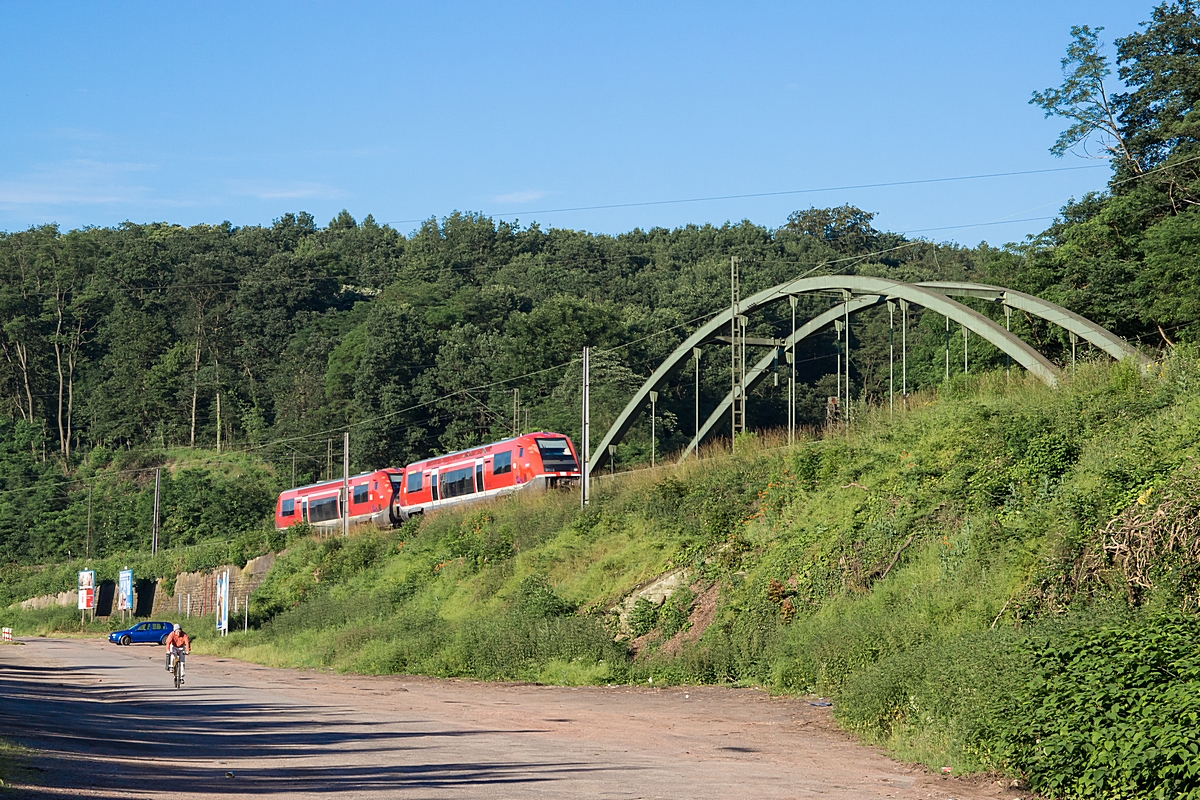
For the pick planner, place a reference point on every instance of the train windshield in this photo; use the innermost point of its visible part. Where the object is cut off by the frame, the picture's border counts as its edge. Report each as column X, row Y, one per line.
column 556, row 455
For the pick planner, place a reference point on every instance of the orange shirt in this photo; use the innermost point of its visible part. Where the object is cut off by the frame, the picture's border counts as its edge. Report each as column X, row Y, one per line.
column 179, row 639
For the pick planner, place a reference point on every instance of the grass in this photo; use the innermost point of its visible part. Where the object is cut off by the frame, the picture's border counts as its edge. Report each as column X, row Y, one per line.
column 902, row 568
column 11, row 757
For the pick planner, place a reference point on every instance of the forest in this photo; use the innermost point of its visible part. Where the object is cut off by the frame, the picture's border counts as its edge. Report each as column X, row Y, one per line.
column 238, row 355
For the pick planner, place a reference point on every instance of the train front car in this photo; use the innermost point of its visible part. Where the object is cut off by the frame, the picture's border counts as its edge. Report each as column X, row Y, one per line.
column 533, row 460
column 323, row 504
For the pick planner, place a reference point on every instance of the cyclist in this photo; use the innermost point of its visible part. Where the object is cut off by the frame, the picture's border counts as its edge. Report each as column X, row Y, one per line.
column 178, row 645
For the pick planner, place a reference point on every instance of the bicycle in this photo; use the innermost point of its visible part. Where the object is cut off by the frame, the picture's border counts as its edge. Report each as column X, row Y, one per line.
column 177, row 670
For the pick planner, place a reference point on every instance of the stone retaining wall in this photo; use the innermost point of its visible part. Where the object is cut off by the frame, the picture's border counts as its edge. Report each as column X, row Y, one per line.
column 149, row 598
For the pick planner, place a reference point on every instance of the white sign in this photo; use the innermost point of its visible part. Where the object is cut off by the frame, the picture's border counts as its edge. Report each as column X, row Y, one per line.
column 223, row 601
column 6, row 634
column 87, row 589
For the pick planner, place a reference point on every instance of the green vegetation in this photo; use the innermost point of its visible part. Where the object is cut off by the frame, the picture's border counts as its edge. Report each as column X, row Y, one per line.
column 10, row 761
column 1004, row 577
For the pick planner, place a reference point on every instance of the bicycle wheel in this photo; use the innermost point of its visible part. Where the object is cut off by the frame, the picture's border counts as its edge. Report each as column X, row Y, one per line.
column 178, row 673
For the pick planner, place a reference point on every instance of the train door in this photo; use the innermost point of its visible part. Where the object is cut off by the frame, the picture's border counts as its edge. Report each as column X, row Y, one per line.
column 479, row 475
column 433, row 485
column 304, row 510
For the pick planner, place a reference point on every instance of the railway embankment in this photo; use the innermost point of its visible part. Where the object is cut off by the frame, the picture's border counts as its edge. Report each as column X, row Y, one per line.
column 982, row 581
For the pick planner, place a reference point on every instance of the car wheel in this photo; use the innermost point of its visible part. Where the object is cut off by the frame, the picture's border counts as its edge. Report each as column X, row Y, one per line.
column 163, row 640
column 125, row 640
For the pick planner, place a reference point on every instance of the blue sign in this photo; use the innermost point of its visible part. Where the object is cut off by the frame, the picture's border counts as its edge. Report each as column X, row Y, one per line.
column 125, row 590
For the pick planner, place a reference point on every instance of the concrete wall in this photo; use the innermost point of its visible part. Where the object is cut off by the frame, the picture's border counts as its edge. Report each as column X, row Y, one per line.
column 149, row 598
column 70, row 599
column 200, row 587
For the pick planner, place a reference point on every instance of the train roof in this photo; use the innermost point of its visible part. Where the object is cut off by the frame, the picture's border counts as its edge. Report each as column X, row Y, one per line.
column 339, row 480
column 489, row 444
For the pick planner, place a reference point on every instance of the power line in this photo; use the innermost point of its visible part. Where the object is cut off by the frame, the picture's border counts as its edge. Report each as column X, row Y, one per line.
column 784, row 193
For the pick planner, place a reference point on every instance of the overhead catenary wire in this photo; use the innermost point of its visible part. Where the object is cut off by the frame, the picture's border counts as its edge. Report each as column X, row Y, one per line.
column 781, row 193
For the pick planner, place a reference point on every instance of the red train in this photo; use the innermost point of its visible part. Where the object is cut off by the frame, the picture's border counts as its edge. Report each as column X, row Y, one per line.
column 389, row 496
column 320, row 504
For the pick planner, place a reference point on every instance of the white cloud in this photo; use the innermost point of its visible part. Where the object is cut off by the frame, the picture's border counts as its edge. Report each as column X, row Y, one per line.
column 291, row 190
column 520, row 197
column 76, row 182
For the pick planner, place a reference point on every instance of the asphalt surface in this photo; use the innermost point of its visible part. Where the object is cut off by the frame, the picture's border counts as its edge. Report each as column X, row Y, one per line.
column 105, row 721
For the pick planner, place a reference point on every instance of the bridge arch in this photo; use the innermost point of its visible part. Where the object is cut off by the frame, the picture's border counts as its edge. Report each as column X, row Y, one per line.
column 1087, row 330
column 880, row 288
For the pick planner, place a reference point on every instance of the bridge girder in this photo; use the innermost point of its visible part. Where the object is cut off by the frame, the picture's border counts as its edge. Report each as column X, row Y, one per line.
column 972, row 320
column 1101, row 337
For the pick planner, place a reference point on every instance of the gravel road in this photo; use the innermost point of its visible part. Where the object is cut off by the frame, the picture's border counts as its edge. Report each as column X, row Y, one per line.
column 106, row 722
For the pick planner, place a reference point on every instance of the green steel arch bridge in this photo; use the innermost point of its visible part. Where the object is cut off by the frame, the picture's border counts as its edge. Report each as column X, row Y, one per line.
column 858, row 293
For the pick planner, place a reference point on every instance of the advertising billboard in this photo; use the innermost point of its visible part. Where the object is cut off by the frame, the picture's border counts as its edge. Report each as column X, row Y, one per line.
column 223, row 601
column 125, row 590
column 87, row 589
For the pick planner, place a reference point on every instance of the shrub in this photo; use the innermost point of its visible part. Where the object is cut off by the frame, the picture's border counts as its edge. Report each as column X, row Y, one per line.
column 1112, row 711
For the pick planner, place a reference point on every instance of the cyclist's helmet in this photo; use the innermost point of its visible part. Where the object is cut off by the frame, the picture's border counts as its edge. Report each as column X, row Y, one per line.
column 177, row 626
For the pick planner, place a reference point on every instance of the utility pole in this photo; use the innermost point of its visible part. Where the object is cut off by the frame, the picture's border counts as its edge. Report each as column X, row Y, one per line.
column 1007, row 357
column 947, row 349
column 88, row 552
column 837, row 325
column 346, row 484
column 736, row 374
column 329, row 458
column 846, row 299
column 696, row 356
column 891, row 359
column 154, row 522
column 218, row 422
column 612, row 460
column 965, row 334
column 904, row 352
column 516, row 407
column 791, row 360
column 585, row 456
column 293, row 469
column 653, row 416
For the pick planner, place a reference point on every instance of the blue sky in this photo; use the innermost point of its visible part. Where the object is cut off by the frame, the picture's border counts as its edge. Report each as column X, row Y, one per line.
column 195, row 113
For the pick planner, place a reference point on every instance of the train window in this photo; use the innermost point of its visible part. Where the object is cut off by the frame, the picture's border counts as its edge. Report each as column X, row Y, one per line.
column 324, row 509
column 414, row 482
column 288, row 508
column 556, row 455
column 502, row 463
column 361, row 493
column 458, row 482
column 479, row 477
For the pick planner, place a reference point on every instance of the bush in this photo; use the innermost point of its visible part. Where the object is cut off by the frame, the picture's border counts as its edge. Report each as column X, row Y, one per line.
column 1112, row 711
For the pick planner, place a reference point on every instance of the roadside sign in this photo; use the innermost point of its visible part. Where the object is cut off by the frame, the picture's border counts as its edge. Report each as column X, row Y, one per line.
column 125, row 590
column 223, row 601
column 6, row 634
column 87, row 589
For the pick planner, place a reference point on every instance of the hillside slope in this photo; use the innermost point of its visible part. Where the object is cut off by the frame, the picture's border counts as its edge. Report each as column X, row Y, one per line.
column 954, row 578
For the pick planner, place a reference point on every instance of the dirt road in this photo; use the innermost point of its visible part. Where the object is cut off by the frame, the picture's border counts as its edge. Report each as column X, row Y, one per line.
column 109, row 724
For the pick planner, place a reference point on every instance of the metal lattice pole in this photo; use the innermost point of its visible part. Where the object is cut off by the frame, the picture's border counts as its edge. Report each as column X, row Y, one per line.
column 947, row 349
column 792, row 376
column 696, row 355
column 586, row 410
column 891, row 359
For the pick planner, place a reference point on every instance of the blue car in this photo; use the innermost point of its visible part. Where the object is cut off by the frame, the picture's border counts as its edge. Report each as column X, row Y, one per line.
column 142, row 633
